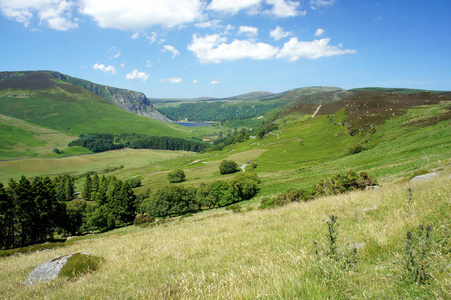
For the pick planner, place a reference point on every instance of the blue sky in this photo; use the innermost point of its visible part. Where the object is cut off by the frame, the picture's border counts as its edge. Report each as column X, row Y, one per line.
column 221, row 48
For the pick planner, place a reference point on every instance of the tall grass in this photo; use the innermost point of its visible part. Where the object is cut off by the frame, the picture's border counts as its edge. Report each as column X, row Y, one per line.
column 260, row 254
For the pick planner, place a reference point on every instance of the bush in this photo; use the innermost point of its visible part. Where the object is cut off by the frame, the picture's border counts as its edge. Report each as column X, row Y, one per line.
column 133, row 182
column 228, row 167
column 141, row 219
column 176, row 176
column 236, row 208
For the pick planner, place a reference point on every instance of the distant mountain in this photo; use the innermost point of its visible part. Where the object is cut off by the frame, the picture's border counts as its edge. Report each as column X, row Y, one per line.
column 131, row 101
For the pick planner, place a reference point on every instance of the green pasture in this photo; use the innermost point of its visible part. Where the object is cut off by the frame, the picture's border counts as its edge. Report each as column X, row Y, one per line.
column 134, row 162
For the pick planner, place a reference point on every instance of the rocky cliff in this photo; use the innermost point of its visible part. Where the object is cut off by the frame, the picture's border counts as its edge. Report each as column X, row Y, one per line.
column 131, row 101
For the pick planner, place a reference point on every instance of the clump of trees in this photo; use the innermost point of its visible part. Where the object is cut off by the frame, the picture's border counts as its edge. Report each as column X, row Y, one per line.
column 30, row 211
column 228, row 167
column 33, row 211
column 173, row 200
column 176, row 176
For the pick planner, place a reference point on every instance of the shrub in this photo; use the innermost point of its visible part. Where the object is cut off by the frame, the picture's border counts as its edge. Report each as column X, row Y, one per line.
column 228, row 167
column 236, row 208
column 141, row 219
column 176, row 176
column 133, row 182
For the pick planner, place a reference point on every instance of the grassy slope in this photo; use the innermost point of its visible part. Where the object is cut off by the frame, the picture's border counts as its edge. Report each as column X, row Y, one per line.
column 41, row 100
column 22, row 139
column 260, row 254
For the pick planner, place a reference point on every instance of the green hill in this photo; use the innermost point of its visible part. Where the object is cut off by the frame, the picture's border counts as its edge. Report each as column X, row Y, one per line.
column 41, row 99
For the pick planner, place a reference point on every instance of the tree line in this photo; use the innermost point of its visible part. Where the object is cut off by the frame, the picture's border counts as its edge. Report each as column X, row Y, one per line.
column 106, row 142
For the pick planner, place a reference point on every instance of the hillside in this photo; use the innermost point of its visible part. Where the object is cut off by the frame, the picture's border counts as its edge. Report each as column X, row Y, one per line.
column 41, row 99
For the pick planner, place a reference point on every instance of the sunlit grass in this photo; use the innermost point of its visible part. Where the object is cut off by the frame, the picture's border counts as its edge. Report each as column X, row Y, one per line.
column 258, row 254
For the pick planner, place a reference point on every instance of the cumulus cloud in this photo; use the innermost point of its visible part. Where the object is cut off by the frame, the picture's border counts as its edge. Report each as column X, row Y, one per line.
column 285, row 8
column 169, row 48
column 248, row 30
column 214, row 81
column 195, row 81
column 105, row 69
column 214, row 49
column 172, row 80
column 233, row 6
column 294, row 49
column 135, row 74
column 278, row 33
column 57, row 14
column 315, row 4
column 279, row 8
column 319, row 32
column 140, row 14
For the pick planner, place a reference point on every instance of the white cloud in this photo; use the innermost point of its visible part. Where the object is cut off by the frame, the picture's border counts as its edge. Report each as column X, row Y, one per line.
column 214, row 49
column 279, row 33
column 214, row 24
column 285, row 8
column 113, row 52
column 294, row 49
column 57, row 14
column 148, row 63
column 172, row 80
column 105, row 69
column 195, row 81
column 319, row 32
column 248, row 30
column 280, row 8
column 141, row 14
column 172, row 49
column 135, row 74
column 214, row 81
column 233, row 6
column 152, row 37
column 314, row 4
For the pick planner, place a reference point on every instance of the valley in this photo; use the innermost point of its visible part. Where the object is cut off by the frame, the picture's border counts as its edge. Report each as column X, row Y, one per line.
column 291, row 141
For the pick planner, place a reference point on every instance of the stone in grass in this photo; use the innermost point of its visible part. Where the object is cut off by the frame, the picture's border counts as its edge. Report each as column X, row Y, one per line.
column 424, row 177
column 69, row 266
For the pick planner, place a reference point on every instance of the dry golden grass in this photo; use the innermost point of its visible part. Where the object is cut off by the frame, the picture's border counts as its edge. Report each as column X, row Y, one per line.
column 258, row 254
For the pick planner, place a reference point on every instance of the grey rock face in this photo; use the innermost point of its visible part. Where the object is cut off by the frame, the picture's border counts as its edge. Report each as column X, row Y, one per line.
column 131, row 101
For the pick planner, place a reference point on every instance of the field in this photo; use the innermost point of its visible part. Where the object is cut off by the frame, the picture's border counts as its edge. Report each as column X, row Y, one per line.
column 265, row 254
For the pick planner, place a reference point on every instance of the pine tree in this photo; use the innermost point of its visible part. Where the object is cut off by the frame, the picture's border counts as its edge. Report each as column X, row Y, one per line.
column 86, row 193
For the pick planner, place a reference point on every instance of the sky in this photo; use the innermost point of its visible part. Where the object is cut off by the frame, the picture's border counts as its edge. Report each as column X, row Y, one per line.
column 223, row 48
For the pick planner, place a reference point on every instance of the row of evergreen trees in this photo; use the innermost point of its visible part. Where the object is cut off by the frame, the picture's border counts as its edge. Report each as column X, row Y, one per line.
column 106, row 142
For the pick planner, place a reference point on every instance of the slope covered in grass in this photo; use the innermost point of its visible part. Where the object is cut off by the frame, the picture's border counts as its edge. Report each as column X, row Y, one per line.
column 264, row 254
column 40, row 99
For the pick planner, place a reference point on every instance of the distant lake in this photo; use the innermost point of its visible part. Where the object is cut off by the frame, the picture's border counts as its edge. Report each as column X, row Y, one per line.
column 193, row 124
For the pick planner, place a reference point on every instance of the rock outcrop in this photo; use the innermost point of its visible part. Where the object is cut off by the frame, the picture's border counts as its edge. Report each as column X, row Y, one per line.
column 131, row 101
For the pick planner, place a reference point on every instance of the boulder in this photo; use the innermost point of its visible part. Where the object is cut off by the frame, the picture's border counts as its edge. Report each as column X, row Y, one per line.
column 424, row 177
column 49, row 270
